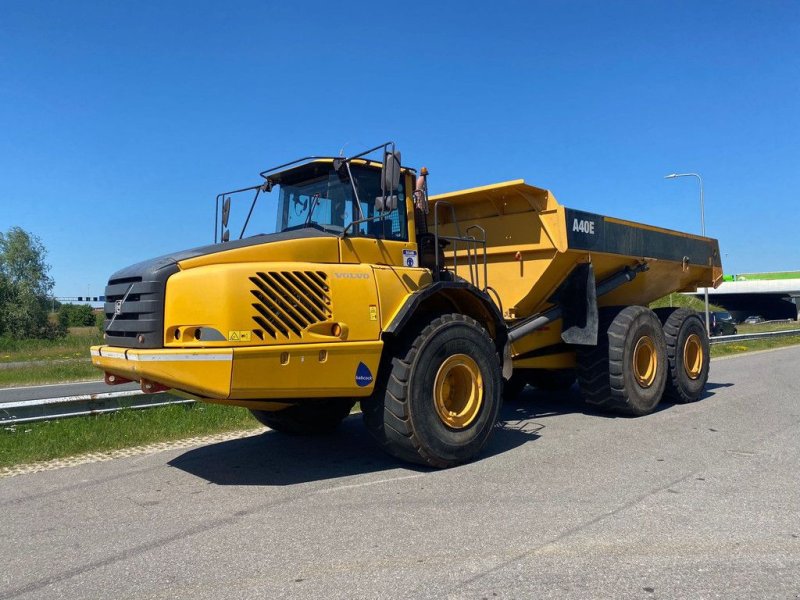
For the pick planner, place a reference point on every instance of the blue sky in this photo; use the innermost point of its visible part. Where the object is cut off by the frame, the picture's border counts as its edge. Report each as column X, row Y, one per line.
column 120, row 121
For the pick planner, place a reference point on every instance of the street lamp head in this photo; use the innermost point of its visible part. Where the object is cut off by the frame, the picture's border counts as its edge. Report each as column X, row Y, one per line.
column 671, row 176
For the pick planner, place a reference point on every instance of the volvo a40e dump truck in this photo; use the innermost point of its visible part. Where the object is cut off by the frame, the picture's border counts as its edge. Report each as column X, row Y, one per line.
column 426, row 311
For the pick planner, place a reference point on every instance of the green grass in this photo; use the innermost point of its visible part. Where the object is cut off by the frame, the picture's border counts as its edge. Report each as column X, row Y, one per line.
column 759, row 327
column 681, row 301
column 50, row 361
column 53, row 372
column 769, row 276
column 753, row 345
column 75, row 345
column 33, row 442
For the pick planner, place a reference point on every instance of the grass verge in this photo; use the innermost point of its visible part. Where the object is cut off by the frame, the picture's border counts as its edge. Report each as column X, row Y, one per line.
column 75, row 345
column 32, row 362
column 753, row 345
column 47, row 440
column 54, row 372
column 680, row 301
column 761, row 327
column 768, row 276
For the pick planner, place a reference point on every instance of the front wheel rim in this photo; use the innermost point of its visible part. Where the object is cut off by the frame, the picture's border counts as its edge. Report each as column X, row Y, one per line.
column 458, row 391
column 693, row 356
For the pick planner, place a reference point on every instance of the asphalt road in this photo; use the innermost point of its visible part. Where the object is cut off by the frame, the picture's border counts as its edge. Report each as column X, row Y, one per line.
column 694, row 501
column 62, row 390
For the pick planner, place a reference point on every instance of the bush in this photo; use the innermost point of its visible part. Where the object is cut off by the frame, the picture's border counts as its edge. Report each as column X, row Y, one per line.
column 24, row 315
column 76, row 315
column 100, row 321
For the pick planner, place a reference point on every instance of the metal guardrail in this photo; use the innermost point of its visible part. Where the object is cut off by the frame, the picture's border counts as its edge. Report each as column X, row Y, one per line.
column 743, row 337
column 26, row 411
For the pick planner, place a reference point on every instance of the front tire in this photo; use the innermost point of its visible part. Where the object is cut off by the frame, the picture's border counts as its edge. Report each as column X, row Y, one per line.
column 442, row 394
column 313, row 417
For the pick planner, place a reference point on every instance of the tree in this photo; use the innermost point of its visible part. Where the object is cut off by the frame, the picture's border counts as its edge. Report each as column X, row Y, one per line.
column 76, row 315
column 24, row 286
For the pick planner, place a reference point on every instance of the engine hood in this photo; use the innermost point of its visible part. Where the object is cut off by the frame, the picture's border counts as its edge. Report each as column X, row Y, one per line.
column 134, row 305
column 307, row 244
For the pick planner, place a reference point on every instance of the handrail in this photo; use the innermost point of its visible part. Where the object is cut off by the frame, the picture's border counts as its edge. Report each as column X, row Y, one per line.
column 471, row 243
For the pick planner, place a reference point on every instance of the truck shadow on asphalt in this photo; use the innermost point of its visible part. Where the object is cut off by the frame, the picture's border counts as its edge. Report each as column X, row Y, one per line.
column 534, row 403
column 276, row 459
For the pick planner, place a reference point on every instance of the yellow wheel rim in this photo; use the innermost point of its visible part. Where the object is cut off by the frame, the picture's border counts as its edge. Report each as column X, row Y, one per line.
column 693, row 356
column 645, row 361
column 458, row 391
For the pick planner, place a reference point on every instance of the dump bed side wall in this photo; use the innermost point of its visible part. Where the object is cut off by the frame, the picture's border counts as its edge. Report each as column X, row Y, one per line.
column 533, row 243
column 597, row 233
column 677, row 261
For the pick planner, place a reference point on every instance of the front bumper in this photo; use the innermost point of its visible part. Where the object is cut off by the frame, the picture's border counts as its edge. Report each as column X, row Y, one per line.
column 205, row 372
column 251, row 373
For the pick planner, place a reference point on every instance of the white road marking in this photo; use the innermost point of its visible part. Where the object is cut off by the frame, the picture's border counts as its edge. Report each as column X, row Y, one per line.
column 358, row 485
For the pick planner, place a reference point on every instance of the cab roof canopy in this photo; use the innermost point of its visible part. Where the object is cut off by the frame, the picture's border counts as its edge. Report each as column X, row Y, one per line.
column 314, row 166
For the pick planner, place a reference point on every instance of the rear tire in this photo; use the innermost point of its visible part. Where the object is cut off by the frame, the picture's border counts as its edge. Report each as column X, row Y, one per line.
column 687, row 354
column 626, row 371
column 440, row 395
column 313, row 417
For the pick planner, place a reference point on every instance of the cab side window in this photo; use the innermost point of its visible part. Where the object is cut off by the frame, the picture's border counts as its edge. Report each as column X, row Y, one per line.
column 388, row 218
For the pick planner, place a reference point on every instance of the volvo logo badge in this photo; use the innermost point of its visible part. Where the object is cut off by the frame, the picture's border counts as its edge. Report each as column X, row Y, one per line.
column 118, row 307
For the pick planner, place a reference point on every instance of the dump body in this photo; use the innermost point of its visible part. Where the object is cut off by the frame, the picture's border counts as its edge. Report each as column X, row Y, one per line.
column 533, row 243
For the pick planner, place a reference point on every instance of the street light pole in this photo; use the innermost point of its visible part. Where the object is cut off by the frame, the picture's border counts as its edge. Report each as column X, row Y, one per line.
column 702, row 230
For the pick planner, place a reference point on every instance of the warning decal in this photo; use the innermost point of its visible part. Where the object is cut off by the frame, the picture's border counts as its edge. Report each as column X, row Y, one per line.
column 410, row 258
column 239, row 336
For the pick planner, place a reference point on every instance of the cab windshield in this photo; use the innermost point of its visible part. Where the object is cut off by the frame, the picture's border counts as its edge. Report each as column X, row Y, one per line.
column 326, row 200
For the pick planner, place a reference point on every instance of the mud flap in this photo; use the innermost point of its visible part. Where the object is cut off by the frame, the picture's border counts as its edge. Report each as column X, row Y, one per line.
column 577, row 297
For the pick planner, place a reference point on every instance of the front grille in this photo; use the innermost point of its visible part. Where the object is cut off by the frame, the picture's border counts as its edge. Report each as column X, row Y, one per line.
column 134, row 306
column 289, row 302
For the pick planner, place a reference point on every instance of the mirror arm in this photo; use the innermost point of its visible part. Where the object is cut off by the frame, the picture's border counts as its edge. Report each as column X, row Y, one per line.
column 216, row 217
column 252, row 206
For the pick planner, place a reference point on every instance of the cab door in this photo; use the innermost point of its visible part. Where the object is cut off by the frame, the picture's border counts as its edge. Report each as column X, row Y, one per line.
column 388, row 240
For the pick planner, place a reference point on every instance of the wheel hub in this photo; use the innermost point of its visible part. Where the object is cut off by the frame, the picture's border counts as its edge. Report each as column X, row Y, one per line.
column 693, row 356
column 645, row 361
column 458, row 391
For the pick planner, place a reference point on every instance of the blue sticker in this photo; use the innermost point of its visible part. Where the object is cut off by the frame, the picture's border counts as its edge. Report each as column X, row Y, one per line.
column 363, row 375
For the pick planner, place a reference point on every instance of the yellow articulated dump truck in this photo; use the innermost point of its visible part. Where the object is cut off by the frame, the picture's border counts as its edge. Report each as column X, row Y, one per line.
column 427, row 311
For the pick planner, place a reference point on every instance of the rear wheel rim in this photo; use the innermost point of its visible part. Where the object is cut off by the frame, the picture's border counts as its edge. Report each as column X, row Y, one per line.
column 458, row 391
column 645, row 361
column 693, row 356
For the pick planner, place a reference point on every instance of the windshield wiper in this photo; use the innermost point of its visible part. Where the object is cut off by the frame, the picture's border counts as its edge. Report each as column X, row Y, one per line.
column 312, row 204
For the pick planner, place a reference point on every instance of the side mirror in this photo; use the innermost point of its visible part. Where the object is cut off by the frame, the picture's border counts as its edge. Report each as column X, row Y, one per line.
column 390, row 173
column 226, row 211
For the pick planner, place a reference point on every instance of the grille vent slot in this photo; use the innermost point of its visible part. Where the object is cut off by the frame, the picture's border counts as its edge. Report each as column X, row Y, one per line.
column 288, row 302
